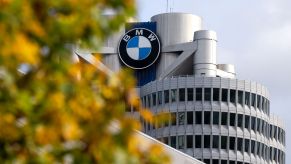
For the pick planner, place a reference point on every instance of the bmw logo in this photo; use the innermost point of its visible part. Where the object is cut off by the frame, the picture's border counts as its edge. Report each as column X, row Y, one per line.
column 139, row 48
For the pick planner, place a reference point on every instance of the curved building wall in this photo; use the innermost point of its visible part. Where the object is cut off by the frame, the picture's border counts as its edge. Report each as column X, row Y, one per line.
column 277, row 140
column 215, row 119
column 173, row 29
column 176, row 28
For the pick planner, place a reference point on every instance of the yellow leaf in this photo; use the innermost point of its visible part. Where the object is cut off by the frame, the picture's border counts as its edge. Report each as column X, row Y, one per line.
column 147, row 115
column 24, row 49
column 71, row 130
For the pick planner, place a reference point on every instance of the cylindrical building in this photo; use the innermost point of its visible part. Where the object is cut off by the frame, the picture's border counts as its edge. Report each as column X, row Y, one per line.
column 216, row 119
column 173, row 29
column 205, row 55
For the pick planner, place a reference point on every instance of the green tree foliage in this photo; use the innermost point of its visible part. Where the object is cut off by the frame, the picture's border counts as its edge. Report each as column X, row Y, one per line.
column 50, row 114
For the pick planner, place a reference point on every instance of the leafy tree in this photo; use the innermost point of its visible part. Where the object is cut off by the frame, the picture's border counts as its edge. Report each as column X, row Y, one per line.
column 48, row 113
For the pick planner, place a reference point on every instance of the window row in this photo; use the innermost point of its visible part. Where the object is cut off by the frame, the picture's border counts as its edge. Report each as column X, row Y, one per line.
column 216, row 118
column 277, row 133
column 277, row 155
column 218, row 142
column 216, row 161
column 207, row 94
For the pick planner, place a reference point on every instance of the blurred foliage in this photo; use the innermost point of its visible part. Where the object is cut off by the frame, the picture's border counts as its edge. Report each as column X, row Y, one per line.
column 50, row 114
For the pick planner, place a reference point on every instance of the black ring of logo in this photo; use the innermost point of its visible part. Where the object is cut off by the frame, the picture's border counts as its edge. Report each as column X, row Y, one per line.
column 150, row 59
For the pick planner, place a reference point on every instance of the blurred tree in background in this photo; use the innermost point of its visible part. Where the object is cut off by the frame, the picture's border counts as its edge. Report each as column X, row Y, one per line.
column 48, row 114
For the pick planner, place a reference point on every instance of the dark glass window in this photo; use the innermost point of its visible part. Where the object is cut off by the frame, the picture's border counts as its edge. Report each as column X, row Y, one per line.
column 253, row 100
column 224, row 95
column 197, row 141
column 215, row 94
column 275, row 132
column 240, row 120
column 154, row 99
column 189, row 141
column 240, row 97
column 271, row 130
column 207, row 117
column 215, row 141
column 173, row 95
column 253, row 123
column 253, row 146
column 259, row 101
column 198, row 94
column 181, row 142
column 247, row 121
column 224, row 118
column 148, row 127
column 143, row 102
column 206, row 161
column 215, row 118
column 271, row 154
column 198, row 117
column 232, row 143
column 165, row 140
column 190, row 118
column 223, row 142
column 215, row 161
column 232, row 119
column 181, row 118
column 239, row 144
column 160, row 97
column 264, row 128
column 258, row 125
column 190, row 94
column 275, row 154
column 232, row 96
column 167, row 97
column 182, row 94
column 247, row 142
column 173, row 119
column 231, row 162
column 207, row 94
column 173, row 141
column 266, row 106
column 247, row 98
column 149, row 100
column 258, row 148
column 166, row 122
column 207, row 141
column 264, row 151
column 223, row 161
column 263, row 104
column 279, row 135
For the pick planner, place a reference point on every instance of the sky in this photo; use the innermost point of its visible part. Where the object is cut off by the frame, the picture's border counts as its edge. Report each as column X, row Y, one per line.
column 255, row 36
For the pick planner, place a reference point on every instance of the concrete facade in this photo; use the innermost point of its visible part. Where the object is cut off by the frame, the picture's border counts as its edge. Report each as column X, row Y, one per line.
column 216, row 119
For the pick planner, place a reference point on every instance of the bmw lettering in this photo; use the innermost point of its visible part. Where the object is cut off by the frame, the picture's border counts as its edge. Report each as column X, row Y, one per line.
column 139, row 48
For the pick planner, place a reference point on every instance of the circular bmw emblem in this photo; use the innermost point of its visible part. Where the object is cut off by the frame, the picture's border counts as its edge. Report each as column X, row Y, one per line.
column 139, row 48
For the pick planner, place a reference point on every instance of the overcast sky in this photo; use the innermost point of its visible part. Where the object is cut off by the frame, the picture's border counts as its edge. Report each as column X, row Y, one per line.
column 255, row 36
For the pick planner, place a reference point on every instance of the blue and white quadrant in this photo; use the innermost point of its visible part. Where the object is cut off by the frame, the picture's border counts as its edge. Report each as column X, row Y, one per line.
column 138, row 48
